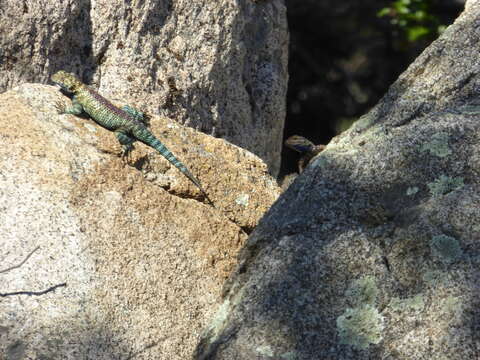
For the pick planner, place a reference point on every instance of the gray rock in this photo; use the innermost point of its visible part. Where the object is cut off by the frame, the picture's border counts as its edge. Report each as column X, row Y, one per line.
column 220, row 67
column 373, row 251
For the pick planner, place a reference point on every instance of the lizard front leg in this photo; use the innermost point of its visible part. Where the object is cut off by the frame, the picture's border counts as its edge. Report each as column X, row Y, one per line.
column 75, row 109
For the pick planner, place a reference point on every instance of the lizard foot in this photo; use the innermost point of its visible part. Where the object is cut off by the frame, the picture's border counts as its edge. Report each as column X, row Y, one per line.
column 60, row 106
column 126, row 153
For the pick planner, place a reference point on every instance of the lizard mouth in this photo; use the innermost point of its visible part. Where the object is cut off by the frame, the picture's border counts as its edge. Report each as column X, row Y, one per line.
column 61, row 87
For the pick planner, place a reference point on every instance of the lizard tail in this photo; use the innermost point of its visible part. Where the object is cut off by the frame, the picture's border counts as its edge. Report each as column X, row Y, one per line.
column 150, row 140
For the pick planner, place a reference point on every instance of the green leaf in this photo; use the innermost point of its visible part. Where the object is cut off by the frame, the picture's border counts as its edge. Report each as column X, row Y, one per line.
column 420, row 15
column 416, row 32
column 384, row 12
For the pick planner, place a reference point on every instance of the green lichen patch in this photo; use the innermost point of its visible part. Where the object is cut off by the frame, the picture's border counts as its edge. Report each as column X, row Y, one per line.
column 446, row 248
column 453, row 307
column 242, row 200
column 321, row 161
column 475, row 259
column 291, row 355
column 435, row 277
column 438, row 145
column 413, row 304
column 363, row 291
column 360, row 326
column 445, row 184
column 219, row 320
column 265, row 350
column 364, row 122
column 412, row 191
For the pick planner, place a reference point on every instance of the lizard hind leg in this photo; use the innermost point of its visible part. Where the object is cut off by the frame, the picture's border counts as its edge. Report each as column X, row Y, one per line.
column 137, row 114
column 126, row 142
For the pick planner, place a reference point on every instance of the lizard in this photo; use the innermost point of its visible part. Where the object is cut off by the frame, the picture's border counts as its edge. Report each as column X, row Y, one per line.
column 127, row 123
column 305, row 147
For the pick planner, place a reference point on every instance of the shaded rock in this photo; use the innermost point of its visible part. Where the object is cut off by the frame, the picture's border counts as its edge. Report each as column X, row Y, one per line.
column 220, row 67
column 142, row 256
column 373, row 251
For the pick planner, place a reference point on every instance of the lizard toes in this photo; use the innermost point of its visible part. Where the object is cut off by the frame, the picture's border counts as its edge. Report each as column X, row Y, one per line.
column 60, row 106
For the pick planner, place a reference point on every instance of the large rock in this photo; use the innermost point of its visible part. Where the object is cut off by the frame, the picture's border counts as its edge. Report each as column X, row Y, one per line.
column 218, row 66
column 138, row 256
column 373, row 251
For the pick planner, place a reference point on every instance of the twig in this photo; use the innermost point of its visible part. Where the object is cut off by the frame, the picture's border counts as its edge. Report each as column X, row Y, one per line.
column 34, row 293
column 23, row 262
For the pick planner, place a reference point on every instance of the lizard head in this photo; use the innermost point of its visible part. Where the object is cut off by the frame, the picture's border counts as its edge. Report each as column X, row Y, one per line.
column 66, row 81
column 300, row 144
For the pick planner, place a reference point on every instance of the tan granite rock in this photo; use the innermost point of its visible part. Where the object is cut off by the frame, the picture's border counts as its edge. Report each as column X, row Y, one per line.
column 143, row 257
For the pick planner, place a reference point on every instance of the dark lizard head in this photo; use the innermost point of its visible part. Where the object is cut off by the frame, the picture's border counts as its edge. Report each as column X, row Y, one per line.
column 300, row 144
column 66, row 81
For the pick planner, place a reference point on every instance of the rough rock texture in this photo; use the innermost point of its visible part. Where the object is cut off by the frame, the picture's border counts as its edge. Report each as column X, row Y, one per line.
column 374, row 251
column 218, row 66
column 143, row 258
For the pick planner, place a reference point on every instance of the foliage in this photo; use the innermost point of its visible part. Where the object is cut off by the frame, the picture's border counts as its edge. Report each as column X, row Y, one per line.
column 414, row 18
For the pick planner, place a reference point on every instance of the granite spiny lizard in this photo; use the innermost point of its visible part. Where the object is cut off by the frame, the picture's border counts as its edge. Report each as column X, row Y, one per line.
column 128, row 124
column 305, row 147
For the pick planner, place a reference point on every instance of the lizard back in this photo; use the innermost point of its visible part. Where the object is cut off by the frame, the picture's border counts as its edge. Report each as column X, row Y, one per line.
column 103, row 111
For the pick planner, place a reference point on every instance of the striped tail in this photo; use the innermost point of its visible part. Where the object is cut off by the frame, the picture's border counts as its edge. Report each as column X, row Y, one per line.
column 149, row 139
